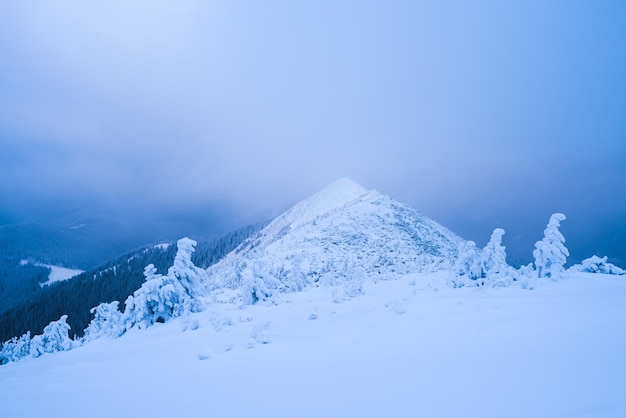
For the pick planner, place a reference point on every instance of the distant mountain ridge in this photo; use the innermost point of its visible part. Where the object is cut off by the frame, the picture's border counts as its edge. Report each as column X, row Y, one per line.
column 342, row 230
column 84, row 239
column 75, row 241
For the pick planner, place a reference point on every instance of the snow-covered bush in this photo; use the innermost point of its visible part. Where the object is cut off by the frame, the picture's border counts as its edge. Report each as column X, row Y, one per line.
column 595, row 264
column 259, row 334
column 290, row 274
column 107, row 322
column 354, row 287
column 467, row 265
column 258, row 284
column 550, row 253
column 15, row 349
column 346, row 273
column 527, row 276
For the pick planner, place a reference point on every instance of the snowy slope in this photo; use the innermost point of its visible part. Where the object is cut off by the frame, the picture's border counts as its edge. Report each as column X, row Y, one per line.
column 411, row 347
column 340, row 232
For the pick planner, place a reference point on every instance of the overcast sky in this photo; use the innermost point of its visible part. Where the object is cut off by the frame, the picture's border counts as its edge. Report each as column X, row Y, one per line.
column 481, row 114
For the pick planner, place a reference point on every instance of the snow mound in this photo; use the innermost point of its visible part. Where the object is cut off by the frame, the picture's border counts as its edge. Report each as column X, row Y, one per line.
column 340, row 236
column 595, row 264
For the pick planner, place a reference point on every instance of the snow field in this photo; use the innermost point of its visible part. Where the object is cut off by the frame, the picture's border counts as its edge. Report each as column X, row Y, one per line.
column 57, row 273
column 407, row 347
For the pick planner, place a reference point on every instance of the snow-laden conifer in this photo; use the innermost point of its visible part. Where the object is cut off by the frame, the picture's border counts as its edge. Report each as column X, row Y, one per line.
column 467, row 265
column 550, row 253
column 55, row 338
column 493, row 256
column 493, row 263
column 483, row 267
column 192, row 278
column 161, row 298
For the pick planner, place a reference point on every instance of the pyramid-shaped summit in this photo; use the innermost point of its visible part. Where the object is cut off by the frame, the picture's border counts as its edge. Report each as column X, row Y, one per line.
column 341, row 234
column 332, row 198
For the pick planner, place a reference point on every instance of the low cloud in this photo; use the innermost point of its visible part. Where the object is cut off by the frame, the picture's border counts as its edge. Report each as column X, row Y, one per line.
column 172, row 106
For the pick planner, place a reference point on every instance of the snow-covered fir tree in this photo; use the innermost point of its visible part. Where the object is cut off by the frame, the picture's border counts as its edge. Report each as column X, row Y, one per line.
column 55, row 338
column 481, row 267
column 467, row 265
column 192, row 278
column 550, row 253
column 161, row 298
column 493, row 263
column 493, row 257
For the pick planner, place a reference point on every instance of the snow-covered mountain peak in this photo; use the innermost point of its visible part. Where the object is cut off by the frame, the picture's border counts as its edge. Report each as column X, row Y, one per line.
column 341, row 188
column 342, row 234
column 335, row 196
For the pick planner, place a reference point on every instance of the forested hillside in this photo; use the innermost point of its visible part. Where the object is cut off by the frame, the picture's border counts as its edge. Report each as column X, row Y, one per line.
column 18, row 281
column 114, row 280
